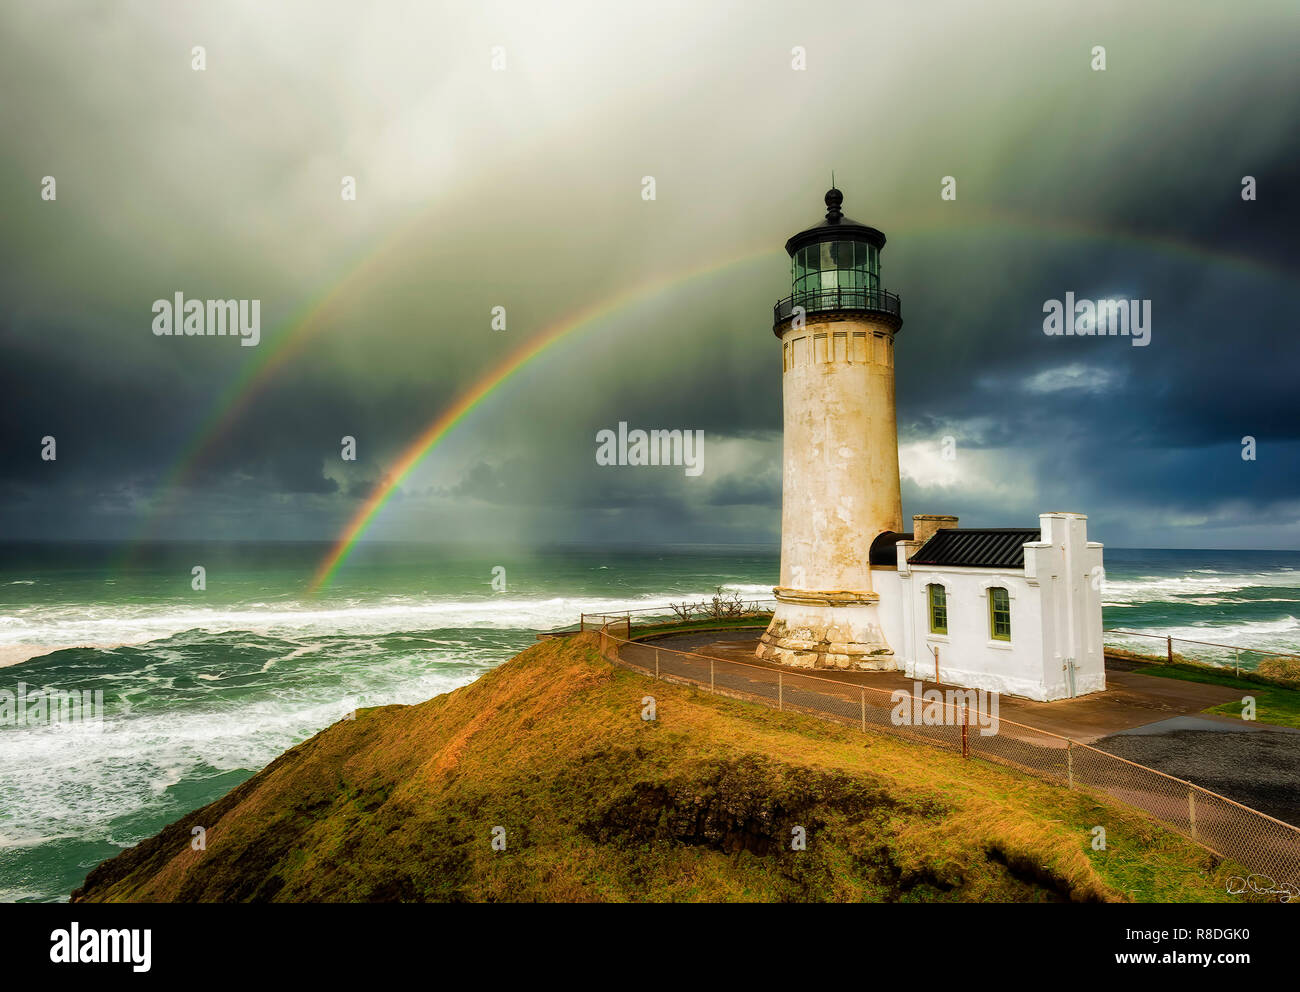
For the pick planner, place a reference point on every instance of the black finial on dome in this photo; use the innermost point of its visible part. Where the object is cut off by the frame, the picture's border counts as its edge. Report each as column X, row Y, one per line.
column 835, row 227
column 833, row 200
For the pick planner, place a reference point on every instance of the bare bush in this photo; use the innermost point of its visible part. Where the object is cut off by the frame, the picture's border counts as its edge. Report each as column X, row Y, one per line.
column 722, row 606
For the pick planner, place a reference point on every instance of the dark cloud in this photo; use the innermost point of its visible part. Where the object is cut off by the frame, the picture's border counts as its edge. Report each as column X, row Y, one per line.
column 523, row 191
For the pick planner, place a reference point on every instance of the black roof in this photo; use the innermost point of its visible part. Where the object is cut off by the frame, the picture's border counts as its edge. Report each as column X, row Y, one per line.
column 977, row 547
column 883, row 551
column 836, row 227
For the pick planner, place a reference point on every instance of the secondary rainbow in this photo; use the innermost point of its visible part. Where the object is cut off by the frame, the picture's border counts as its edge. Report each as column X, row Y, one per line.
column 289, row 341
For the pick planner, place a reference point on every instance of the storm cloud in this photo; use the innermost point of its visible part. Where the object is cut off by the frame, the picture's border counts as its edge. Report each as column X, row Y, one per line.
column 522, row 189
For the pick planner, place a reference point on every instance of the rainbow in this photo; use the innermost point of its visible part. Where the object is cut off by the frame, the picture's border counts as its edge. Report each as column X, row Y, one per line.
column 416, row 451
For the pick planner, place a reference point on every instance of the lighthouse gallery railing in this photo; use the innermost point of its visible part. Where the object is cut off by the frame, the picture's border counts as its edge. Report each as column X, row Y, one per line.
column 819, row 301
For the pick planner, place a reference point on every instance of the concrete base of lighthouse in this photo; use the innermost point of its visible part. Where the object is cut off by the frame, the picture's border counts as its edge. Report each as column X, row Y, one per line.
column 826, row 629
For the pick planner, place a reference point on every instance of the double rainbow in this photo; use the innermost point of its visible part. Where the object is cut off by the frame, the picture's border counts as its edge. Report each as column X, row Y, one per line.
column 237, row 398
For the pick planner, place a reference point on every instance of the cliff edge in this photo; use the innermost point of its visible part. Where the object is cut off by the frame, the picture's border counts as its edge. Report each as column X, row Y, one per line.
column 549, row 756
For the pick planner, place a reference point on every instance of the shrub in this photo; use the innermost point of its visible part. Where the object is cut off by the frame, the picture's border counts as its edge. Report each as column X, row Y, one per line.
column 1281, row 669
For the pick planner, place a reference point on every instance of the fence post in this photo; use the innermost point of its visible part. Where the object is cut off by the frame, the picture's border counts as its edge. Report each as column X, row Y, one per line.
column 1169, row 649
column 780, row 690
column 965, row 741
column 711, row 683
column 864, row 709
column 1069, row 763
column 1236, row 664
column 936, row 663
column 656, row 662
column 1191, row 809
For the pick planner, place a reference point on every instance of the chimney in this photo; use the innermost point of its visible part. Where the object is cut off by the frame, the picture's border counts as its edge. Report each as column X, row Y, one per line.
column 924, row 525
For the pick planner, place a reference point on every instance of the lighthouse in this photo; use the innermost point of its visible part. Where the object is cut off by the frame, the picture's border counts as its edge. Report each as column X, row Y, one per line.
column 840, row 486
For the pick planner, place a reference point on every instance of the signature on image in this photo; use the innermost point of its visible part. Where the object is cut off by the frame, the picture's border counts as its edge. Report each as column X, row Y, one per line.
column 1262, row 885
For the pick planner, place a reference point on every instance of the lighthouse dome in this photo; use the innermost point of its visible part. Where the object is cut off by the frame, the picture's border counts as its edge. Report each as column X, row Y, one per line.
column 835, row 227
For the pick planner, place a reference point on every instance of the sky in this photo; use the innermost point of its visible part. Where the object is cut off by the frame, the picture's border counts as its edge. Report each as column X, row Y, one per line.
column 499, row 153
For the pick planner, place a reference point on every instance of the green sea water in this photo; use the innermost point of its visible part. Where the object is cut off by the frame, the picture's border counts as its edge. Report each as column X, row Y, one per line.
column 203, row 688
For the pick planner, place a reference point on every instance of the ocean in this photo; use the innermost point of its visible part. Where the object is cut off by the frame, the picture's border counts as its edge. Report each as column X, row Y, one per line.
column 201, row 689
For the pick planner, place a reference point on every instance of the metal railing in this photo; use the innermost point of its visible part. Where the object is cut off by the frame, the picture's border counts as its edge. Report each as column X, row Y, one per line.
column 646, row 615
column 1172, row 649
column 818, row 301
column 1221, row 825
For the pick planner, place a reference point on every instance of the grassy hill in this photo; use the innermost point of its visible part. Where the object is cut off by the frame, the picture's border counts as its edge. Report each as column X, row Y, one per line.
column 597, row 804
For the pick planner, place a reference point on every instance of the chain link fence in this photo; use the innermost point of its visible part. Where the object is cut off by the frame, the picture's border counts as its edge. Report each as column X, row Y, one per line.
column 1262, row 843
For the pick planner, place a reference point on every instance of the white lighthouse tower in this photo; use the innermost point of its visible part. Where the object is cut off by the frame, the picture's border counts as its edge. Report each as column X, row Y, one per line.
column 840, row 486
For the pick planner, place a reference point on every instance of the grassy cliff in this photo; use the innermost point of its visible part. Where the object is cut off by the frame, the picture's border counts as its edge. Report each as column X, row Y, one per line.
column 597, row 804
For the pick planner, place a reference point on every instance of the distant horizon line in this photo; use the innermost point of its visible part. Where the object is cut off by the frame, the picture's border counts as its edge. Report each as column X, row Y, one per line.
column 773, row 545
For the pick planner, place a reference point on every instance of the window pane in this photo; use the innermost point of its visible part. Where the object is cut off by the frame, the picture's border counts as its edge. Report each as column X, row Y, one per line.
column 805, row 271
column 938, row 610
column 1000, row 614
